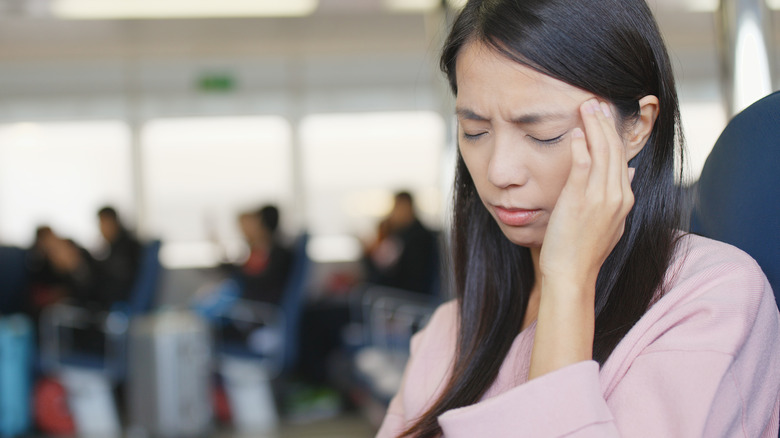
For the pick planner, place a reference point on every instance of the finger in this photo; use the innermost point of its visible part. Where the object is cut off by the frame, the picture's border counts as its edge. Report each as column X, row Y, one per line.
column 617, row 188
column 596, row 142
column 580, row 163
column 617, row 175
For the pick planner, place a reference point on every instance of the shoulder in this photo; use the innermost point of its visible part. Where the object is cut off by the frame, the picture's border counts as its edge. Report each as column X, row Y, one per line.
column 418, row 230
column 717, row 305
column 706, row 269
column 127, row 242
column 280, row 251
column 696, row 253
column 715, row 296
column 441, row 325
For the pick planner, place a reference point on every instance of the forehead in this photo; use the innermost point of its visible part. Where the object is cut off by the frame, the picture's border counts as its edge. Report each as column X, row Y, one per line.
column 487, row 80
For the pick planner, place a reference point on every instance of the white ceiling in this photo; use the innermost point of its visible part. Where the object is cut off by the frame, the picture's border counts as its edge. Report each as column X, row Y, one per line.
column 345, row 43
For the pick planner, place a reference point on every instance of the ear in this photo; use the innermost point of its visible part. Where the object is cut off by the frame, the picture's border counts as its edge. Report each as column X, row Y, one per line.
column 640, row 130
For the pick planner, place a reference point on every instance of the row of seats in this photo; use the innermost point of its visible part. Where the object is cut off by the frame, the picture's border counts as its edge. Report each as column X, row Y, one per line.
column 62, row 323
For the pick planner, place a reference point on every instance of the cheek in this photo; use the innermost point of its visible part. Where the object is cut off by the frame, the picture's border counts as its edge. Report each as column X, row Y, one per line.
column 477, row 172
column 473, row 163
column 557, row 173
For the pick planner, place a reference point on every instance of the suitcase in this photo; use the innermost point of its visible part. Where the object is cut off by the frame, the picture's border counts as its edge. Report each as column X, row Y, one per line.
column 91, row 403
column 16, row 343
column 250, row 397
column 169, row 378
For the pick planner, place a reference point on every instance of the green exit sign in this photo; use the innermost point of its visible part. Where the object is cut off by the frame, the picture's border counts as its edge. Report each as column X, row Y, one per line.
column 220, row 83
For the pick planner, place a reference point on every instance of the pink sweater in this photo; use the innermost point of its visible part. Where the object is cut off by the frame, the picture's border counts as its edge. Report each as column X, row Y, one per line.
column 704, row 361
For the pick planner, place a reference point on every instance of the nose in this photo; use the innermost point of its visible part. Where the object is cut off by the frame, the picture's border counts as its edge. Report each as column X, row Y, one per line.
column 507, row 166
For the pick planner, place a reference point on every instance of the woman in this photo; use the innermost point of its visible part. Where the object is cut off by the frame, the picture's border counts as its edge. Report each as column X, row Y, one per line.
column 581, row 309
column 264, row 274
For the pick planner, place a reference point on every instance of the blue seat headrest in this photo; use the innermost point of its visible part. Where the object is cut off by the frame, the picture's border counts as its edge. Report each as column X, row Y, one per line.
column 739, row 190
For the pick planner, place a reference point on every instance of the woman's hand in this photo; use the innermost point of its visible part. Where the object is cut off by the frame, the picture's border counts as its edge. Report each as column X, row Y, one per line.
column 586, row 224
column 590, row 214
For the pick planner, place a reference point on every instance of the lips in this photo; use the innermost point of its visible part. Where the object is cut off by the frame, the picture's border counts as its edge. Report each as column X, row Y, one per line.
column 516, row 217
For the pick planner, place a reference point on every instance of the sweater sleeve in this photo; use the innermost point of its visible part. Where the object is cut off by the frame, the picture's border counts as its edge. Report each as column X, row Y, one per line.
column 569, row 403
column 680, row 394
column 706, row 367
column 566, row 402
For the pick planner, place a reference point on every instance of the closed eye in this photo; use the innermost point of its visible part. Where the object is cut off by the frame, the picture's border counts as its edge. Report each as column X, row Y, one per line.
column 549, row 141
column 472, row 137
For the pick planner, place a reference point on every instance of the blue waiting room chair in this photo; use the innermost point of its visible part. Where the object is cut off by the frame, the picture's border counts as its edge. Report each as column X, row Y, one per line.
column 737, row 198
column 276, row 327
column 59, row 321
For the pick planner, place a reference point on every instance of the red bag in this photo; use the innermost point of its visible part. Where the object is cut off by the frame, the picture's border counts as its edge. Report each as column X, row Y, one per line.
column 51, row 412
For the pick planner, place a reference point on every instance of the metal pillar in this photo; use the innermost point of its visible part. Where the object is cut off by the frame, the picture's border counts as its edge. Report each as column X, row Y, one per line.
column 746, row 61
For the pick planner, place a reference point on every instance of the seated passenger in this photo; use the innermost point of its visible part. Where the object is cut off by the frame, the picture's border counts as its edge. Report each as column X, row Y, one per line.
column 59, row 268
column 94, row 282
column 45, row 283
column 264, row 274
column 404, row 254
column 118, row 262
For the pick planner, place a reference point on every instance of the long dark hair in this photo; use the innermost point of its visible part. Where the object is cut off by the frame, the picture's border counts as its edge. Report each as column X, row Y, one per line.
column 613, row 49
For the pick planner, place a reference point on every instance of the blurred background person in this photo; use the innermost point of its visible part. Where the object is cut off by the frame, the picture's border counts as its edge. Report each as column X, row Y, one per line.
column 264, row 273
column 45, row 283
column 61, row 268
column 117, row 261
column 404, row 255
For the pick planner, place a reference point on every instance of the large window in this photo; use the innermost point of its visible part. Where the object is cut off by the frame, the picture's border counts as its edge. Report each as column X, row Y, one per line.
column 200, row 173
column 352, row 164
column 59, row 174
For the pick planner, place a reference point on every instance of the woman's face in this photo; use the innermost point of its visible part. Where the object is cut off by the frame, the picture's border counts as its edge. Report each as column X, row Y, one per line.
column 250, row 227
column 514, row 134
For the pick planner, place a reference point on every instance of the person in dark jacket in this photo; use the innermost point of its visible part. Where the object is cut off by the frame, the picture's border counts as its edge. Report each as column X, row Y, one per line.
column 264, row 274
column 405, row 253
column 60, row 268
column 94, row 282
column 46, row 284
column 117, row 266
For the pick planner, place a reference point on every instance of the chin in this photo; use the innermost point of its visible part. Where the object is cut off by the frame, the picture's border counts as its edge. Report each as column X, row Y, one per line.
column 527, row 237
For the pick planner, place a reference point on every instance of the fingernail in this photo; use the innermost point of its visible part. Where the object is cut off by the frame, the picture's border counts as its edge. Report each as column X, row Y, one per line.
column 590, row 107
column 577, row 133
column 605, row 109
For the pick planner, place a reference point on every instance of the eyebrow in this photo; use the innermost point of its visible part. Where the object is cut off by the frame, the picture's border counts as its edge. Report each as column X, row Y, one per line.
column 525, row 119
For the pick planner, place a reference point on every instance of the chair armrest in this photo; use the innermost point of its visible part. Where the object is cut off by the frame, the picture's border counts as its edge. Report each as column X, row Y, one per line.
column 381, row 304
column 58, row 324
column 393, row 320
column 254, row 312
column 265, row 325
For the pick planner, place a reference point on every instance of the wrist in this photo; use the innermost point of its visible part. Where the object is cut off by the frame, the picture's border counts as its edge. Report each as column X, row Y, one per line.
column 565, row 326
column 581, row 290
